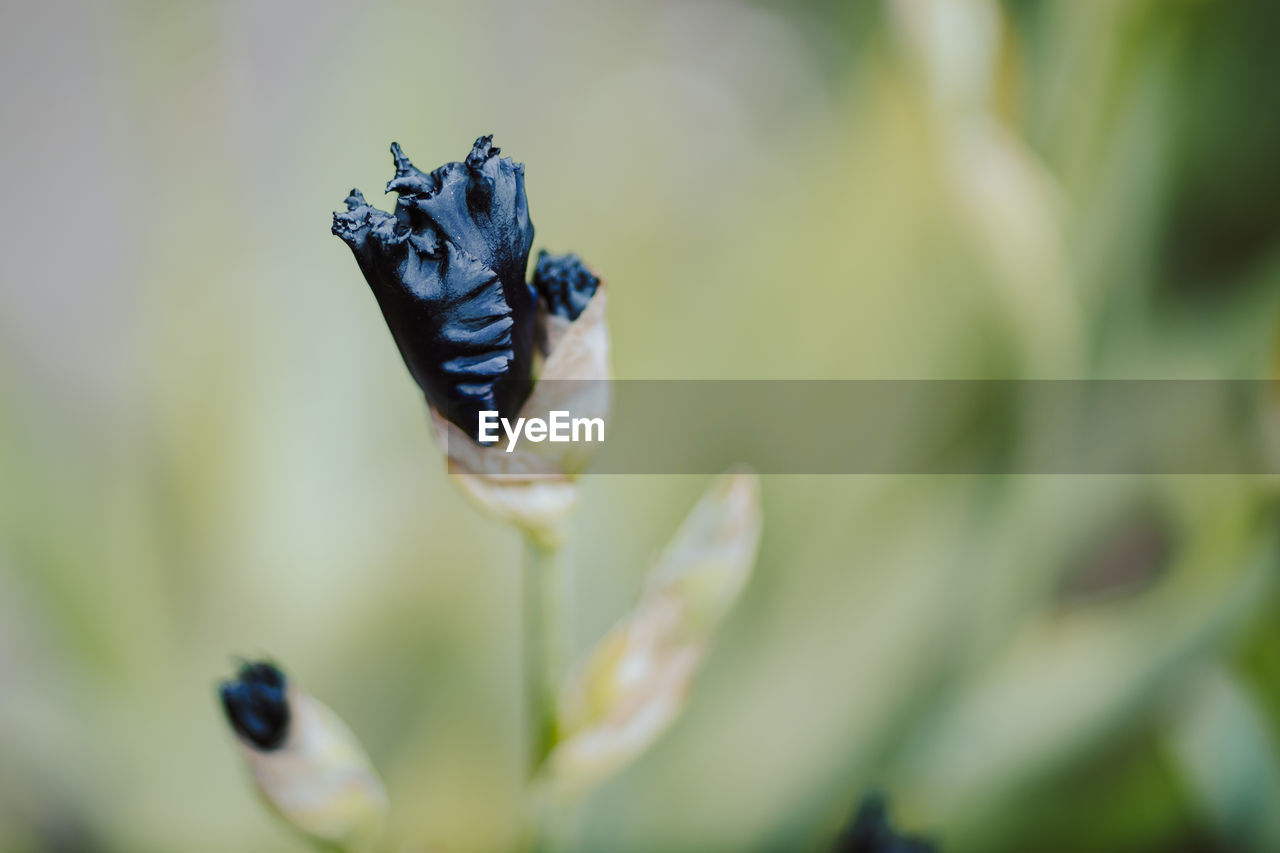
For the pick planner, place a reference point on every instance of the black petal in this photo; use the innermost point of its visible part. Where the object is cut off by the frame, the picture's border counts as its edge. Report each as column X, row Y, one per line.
column 479, row 205
column 257, row 705
column 448, row 272
column 564, row 283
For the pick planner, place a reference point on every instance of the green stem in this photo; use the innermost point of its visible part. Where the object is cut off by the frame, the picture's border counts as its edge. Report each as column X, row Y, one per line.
column 545, row 634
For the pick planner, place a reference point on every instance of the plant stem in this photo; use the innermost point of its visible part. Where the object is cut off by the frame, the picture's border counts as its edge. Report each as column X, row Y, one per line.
column 544, row 643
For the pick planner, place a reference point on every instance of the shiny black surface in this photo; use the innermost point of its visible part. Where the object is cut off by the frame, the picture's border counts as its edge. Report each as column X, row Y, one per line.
column 448, row 271
column 256, row 704
column 564, row 284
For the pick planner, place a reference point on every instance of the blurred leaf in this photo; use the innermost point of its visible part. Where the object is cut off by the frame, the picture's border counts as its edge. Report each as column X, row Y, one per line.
column 1072, row 679
column 636, row 681
column 1229, row 760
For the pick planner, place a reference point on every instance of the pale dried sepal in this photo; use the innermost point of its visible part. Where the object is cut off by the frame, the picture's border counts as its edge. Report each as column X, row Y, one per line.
column 536, row 505
column 573, row 378
column 320, row 781
column 518, row 488
column 467, row 456
column 635, row 683
column 577, row 349
column 551, row 328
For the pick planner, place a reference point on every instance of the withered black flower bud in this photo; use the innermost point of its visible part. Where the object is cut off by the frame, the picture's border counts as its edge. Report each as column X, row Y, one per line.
column 564, row 284
column 256, row 704
column 303, row 759
column 871, row 832
column 448, row 270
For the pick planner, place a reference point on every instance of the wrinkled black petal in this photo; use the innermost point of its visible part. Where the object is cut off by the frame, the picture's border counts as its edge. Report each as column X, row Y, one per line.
column 448, row 271
column 256, row 704
column 479, row 205
column 871, row 832
column 564, row 284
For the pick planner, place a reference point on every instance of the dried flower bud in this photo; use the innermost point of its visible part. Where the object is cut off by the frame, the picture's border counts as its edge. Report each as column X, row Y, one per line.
column 564, row 284
column 256, row 705
column 635, row 683
column 448, row 271
column 871, row 832
column 303, row 759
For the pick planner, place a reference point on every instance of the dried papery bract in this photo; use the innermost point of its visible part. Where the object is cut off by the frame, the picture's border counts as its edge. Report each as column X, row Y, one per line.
column 448, row 270
column 304, row 761
column 636, row 681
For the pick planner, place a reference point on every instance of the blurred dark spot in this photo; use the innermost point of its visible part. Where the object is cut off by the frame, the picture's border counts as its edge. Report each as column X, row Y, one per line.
column 1124, row 561
column 67, row 833
column 257, row 705
column 1223, row 212
column 871, row 832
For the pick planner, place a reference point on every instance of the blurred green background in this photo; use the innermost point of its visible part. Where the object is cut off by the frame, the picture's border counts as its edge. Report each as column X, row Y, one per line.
column 209, row 445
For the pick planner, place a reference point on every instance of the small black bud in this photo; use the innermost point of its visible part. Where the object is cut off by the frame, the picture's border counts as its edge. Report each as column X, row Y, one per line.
column 564, row 283
column 257, row 705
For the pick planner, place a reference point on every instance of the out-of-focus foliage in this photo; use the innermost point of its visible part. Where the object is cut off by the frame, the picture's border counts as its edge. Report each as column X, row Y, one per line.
column 208, row 443
column 635, row 682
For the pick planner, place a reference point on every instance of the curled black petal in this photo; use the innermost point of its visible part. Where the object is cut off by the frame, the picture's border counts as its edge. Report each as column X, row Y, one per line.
column 448, row 272
column 479, row 205
column 871, row 832
column 564, row 283
column 257, row 705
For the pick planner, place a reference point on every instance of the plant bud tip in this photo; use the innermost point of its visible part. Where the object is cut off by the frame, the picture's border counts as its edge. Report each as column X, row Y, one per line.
column 256, row 704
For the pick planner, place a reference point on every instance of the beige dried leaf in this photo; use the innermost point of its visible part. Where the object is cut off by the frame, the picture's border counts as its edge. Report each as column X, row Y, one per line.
column 635, row 683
